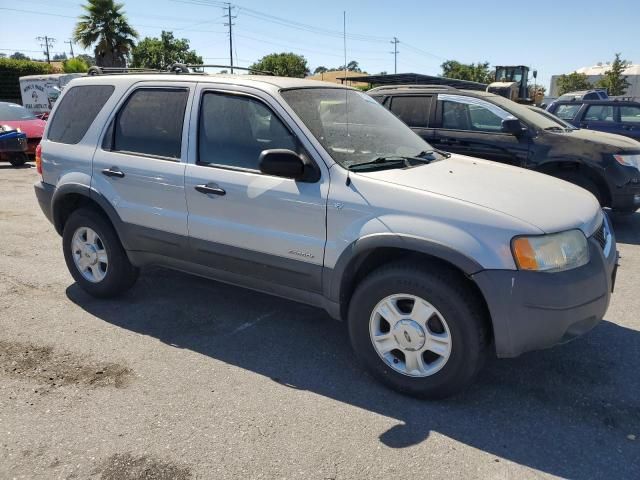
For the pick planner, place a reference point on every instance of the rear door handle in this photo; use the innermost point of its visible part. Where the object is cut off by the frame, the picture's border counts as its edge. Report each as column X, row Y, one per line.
column 113, row 172
column 210, row 188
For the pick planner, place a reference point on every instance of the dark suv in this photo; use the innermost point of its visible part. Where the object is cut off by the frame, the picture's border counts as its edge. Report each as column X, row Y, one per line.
column 481, row 124
column 611, row 116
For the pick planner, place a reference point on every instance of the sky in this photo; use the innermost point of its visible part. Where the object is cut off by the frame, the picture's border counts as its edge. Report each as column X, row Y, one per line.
column 552, row 37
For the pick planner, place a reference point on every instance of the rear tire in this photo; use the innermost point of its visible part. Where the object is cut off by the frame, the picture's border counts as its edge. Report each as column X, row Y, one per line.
column 94, row 255
column 18, row 160
column 432, row 358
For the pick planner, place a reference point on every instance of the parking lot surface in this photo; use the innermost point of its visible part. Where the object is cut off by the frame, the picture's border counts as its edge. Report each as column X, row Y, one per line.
column 185, row 378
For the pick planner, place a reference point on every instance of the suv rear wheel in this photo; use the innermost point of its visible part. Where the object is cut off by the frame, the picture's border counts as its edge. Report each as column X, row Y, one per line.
column 94, row 255
column 419, row 330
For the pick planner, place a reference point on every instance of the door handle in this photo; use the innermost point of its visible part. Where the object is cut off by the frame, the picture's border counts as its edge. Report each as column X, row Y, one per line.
column 210, row 188
column 113, row 172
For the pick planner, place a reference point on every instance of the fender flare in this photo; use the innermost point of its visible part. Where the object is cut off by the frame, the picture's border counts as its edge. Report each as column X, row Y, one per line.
column 79, row 189
column 357, row 250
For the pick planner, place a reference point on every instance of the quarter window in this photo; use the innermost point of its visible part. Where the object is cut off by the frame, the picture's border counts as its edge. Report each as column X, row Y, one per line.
column 78, row 109
column 599, row 113
column 414, row 111
column 630, row 114
column 150, row 123
column 235, row 129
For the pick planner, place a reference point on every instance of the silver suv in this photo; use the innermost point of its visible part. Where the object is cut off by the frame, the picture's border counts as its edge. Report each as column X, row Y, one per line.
column 315, row 192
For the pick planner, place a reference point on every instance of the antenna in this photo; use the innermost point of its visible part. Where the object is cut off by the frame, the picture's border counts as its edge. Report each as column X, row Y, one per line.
column 346, row 92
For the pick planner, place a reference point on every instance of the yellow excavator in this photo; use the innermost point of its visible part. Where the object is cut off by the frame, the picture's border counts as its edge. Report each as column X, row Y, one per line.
column 512, row 82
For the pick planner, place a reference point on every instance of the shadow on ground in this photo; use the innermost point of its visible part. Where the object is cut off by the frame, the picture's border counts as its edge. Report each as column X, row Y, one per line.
column 567, row 411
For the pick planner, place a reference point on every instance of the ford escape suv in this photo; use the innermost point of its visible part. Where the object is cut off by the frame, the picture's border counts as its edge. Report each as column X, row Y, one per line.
column 315, row 192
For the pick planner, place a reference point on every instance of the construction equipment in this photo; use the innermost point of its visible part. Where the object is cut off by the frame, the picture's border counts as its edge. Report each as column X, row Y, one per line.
column 512, row 82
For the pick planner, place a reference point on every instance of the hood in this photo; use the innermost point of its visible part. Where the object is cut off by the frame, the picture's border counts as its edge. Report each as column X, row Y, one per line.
column 609, row 142
column 545, row 202
column 32, row 128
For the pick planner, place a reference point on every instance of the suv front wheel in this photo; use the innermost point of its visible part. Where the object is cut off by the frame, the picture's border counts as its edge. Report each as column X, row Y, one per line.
column 94, row 255
column 420, row 330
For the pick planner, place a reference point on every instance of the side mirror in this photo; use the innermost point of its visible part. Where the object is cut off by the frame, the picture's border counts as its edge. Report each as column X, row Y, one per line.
column 513, row 126
column 282, row 163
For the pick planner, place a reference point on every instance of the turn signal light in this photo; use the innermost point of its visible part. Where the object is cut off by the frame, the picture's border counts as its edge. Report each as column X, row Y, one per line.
column 39, row 159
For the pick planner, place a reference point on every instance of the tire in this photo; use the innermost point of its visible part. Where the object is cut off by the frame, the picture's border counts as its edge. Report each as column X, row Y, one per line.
column 18, row 159
column 103, row 279
column 458, row 312
column 586, row 183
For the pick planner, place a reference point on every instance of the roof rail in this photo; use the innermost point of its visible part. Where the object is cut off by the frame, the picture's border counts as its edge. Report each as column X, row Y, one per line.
column 205, row 65
column 176, row 68
column 413, row 87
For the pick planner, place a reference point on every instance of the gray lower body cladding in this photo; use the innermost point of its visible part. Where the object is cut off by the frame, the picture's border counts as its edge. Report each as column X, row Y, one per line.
column 536, row 310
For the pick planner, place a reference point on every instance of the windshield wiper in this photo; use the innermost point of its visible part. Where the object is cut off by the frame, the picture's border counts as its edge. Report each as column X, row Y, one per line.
column 429, row 153
column 380, row 162
column 555, row 129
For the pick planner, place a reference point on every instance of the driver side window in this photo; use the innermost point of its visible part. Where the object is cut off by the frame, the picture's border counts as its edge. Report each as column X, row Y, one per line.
column 471, row 114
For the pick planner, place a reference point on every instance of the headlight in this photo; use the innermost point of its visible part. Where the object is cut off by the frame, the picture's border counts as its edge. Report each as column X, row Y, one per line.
column 551, row 253
column 628, row 160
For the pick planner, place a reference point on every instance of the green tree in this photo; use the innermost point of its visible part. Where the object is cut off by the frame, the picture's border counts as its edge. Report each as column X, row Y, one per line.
column 19, row 56
column 105, row 25
column 88, row 59
column 59, row 57
column 614, row 80
column 572, row 82
column 161, row 52
column 283, row 64
column 75, row 65
column 474, row 72
column 320, row 69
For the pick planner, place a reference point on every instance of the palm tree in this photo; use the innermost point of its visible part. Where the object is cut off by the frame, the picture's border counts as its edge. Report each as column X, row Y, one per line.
column 105, row 25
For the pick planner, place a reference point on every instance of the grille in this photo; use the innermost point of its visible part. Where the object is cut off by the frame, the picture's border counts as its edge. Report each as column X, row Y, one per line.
column 601, row 235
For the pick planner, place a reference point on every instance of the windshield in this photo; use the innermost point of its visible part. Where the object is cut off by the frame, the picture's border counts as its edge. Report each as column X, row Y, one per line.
column 352, row 127
column 523, row 113
column 553, row 118
column 13, row 112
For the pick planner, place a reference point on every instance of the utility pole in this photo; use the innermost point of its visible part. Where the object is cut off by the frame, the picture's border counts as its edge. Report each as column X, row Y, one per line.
column 230, row 25
column 48, row 43
column 70, row 42
column 395, row 52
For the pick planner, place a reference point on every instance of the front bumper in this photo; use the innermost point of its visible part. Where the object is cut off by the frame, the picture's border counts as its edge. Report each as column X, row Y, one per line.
column 536, row 310
column 624, row 188
column 44, row 194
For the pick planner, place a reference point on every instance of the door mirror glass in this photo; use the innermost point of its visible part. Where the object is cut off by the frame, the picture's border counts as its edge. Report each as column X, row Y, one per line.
column 512, row 126
column 282, row 163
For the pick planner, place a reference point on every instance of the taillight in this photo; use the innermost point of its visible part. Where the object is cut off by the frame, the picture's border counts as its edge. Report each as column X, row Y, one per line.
column 39, row 159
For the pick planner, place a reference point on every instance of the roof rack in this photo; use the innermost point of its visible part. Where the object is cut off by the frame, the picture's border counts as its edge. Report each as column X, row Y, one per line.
column 176, row 68
column 414, row 87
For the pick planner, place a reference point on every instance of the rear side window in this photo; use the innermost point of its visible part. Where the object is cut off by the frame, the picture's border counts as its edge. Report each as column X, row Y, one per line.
column 567, row 112
column 630, row 114
column 599, row 113
column 150, row 123
column 414, row 111
column 77, row 111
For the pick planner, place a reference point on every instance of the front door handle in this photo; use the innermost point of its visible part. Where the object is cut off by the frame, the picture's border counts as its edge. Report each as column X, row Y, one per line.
column 210, row 188
column 113, row 172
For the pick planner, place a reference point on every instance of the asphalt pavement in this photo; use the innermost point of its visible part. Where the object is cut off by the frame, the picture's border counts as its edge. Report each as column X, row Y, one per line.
column 185, row 378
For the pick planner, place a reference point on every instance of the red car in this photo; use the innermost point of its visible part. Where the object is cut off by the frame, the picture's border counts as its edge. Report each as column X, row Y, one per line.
column 17, row 116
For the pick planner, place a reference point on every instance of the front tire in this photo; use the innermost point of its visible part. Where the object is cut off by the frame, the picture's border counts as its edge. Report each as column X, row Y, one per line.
column 420, row 330
column 18, row 160
column 94, row 255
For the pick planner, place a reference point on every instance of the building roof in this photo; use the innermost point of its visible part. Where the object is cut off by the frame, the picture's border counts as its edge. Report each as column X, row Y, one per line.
column 338, row 76
column 417, row 78
column 601, row 68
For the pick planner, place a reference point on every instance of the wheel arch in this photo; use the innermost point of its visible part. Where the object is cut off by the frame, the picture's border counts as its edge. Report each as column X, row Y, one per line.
column 366, row 254
column 68, row 198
